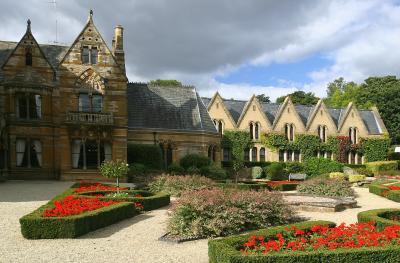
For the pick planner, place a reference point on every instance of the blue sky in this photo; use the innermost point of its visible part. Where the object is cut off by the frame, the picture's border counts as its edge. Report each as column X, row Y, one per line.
column 276, row 74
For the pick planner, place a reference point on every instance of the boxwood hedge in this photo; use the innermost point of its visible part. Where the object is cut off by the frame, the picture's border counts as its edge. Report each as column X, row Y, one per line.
column 149, row 200
column 225, row 250
column 34, row 226
column 379, row 216
column 383, row 191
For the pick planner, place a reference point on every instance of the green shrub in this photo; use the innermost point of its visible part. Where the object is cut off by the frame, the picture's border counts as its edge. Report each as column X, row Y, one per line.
column 282, row 187
column 364, row 171
column 146, row 154
column 175, row 169
column 214, row 172
column 194, row 160
column 354, row 178
column 275, row 172
column 34, row 226
column 326, row 187
column 377, row 189
column 379, row 216
column 317, row 166
column 244, row 185
column 256, row 172
column 337, row 175
column 137, row 169
column 193, row 170
column 294, row 167
column 377, row 167
column 225, row 250
column 217, row 212
column 394, row 195
column 175, row 185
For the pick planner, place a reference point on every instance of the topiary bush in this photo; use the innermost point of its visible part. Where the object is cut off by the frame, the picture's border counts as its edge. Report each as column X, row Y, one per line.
column 217, row 212
column 317, row 166
column 137, row 169
column 256, row 172
column 276, row 172
column 326, row 187
column 337, row 175
column 146, row 154
column 380, row 166
column 176, row 185
column 175, row 169
column 214, row 172
column 194, row 160
column 294, row 167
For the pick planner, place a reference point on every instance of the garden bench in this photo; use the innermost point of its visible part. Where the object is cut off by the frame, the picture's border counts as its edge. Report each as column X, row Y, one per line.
column 297, row 177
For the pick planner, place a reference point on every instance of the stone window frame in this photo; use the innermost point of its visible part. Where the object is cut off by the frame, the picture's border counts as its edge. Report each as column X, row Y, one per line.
column 90, row 55
column 38, row 106
column 27, row 153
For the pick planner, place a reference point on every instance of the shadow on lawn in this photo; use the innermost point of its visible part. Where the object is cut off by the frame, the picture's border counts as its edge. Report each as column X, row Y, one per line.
column 115, row 228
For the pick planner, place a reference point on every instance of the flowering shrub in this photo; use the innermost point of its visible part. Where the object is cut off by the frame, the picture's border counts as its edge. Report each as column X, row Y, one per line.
column 218, row 212
column 89, row 187
column 73, row 205
column 326, row 187
column 324, row 238
column 175, row 185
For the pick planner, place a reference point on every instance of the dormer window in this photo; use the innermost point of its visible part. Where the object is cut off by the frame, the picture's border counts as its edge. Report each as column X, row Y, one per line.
column 89, row 55
column 28, row 57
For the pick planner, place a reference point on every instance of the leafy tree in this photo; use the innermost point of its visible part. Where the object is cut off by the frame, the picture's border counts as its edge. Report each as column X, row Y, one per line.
column 114, row 169
column 165, row 82
column 340, row 93
column 262, row 98
column 300, row 97
column 238, row 142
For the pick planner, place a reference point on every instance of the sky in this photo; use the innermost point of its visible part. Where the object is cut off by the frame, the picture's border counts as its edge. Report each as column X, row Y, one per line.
column 238, row 48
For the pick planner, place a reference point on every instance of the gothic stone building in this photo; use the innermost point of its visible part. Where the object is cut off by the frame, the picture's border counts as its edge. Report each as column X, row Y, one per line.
column 63, row 110
column 291, row 120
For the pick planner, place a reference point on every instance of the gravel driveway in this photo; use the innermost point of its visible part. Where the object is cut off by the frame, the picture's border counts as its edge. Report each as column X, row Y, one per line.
column 132, row 240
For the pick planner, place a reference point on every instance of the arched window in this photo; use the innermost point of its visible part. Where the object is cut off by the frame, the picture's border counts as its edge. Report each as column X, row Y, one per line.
column 220, row 128
column 353, row 135
column 262, row 154
column 246, row 155
column 287, row 131
column 28, row 57
column 322, row 132
column 251, row 126
column 257, row 131
column 290, row 128
column 254, row 154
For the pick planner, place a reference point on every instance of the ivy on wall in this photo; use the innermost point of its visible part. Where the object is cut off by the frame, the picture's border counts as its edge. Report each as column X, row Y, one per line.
column 374, row 149
column 237, row 142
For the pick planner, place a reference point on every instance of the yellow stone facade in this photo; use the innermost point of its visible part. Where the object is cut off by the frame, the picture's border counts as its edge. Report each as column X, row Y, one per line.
column 317, row 119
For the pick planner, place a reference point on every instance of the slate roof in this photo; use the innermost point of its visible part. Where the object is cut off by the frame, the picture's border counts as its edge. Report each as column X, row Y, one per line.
column 177, row 108
column 271, row 110
column 53, row 53
column 235, row 108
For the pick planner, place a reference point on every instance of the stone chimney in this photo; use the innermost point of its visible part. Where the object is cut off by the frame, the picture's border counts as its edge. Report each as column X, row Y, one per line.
column 118, row 46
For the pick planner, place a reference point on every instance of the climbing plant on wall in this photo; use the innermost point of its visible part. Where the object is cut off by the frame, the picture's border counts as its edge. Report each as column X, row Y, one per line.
column 375, row 149
column 237, row 142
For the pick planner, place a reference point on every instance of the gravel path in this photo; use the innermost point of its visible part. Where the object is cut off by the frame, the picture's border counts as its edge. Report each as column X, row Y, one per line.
column 132, row 240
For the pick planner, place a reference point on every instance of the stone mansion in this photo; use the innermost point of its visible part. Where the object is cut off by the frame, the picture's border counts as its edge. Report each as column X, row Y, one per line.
column 65, row 109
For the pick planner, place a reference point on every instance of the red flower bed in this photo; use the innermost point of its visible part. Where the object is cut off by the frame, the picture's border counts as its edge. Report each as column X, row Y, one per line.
column 73, row 205
column 87, row 187
column 393, row 187
column 276, row 183
column 324, row 238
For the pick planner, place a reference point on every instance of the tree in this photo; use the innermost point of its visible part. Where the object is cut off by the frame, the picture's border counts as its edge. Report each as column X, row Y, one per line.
column 262, row 98
column 237, row 142
column 300, row 97
column 340, row 93
column 114, row 169
column 165, row 82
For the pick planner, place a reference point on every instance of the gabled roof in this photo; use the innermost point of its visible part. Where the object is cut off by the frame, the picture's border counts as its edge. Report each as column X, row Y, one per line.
column 304, row 112
column 235, row 108
column 370, row 121
column 270, row 110
column 176, row 108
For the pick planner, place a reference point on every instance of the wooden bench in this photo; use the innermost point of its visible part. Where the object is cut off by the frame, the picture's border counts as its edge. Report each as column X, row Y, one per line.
column 297, row 177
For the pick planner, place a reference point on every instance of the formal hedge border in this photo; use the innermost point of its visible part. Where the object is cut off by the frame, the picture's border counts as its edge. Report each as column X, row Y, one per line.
column 150, row 201
column 283, row 187
column 378, row 216
column 225, row 250
column 385, row 192
column 34, row 226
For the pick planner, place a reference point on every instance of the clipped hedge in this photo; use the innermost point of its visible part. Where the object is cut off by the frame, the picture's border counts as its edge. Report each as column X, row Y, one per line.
column 146, row 154
column 256, row 172
column 225, row 250
column 283, row 187
column 317, row 166
column 394, row 195
column 377, row 167
column 149, row 200
column 377, row 189
column 34, row 226
column 194, row 160
column 378, row 216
